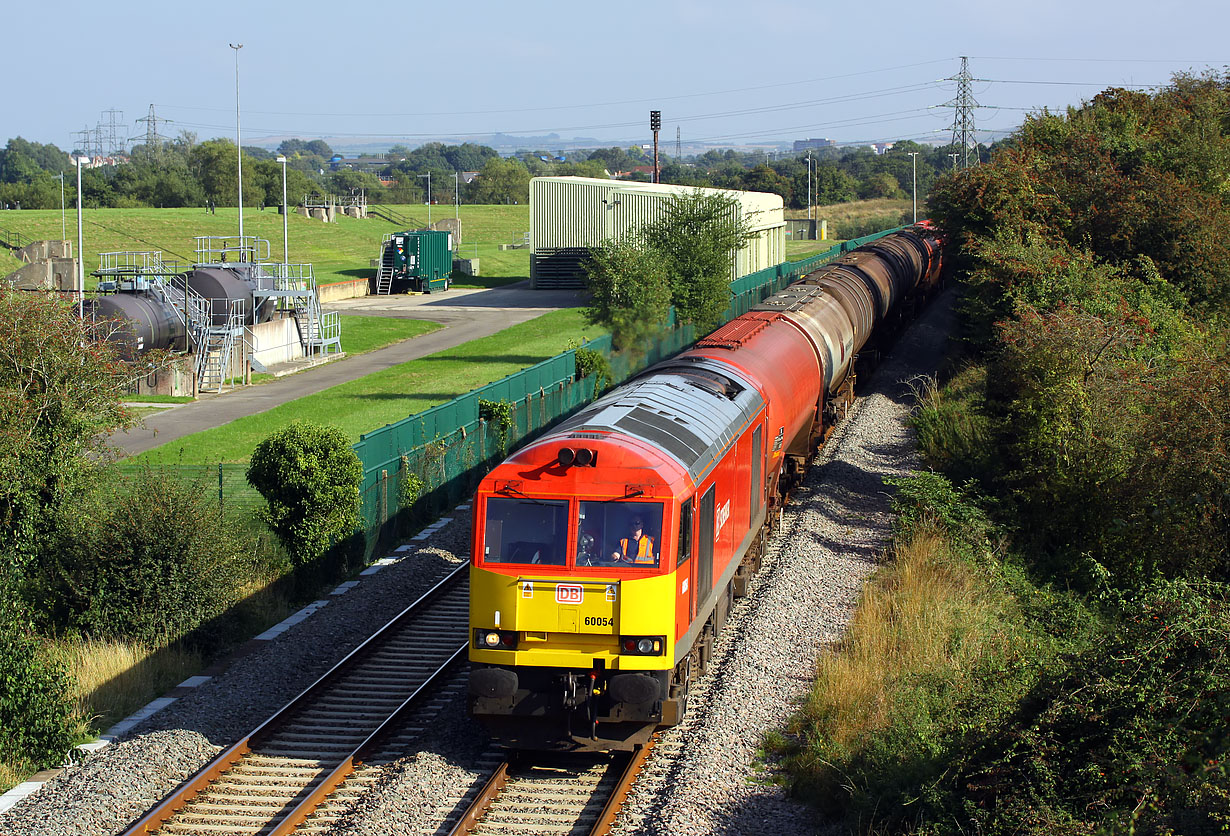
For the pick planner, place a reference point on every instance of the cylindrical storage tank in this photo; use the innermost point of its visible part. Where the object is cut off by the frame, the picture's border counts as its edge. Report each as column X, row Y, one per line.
column 221, row 285
column 817, row 313
column 855, row 299
column 148, row 323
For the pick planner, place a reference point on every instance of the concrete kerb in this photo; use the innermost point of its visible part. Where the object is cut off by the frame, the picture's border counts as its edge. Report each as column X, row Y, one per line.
column 22, row 790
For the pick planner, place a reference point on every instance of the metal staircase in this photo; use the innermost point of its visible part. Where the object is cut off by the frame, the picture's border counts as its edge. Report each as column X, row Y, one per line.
column 319, row 332
column 217, row 344
column 394, row 217
column 384, row 273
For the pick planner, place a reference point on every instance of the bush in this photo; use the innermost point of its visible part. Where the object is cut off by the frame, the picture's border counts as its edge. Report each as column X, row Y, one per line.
column 150, row 562
column 594, row 362
column 1129, row 736
column 35, row 705
column 310, row 476
column 498, row 414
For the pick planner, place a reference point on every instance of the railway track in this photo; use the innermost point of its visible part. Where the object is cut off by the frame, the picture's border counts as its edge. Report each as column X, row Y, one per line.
column 538, row 793
column 273, row 780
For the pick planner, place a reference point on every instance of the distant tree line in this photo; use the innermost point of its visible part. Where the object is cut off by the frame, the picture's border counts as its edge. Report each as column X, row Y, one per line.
column 186, row 172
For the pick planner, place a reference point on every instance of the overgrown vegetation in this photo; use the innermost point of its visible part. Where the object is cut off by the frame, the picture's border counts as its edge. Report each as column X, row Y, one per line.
column 1091, row 418
column 683, row 258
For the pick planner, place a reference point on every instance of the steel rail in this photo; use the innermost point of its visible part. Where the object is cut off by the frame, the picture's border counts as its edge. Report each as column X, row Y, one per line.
column 224, row 762
column 482, row 803
column 330, row 782
column 488, row 798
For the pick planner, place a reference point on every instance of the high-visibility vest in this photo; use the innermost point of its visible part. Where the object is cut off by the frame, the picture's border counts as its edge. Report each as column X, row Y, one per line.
column 644, row 550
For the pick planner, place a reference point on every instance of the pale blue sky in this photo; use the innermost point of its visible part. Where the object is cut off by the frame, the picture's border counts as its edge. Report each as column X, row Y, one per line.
column 722, row 72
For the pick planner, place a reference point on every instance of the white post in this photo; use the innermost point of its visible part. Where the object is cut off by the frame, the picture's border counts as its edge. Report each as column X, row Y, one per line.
column 80, row 250
column 457, row 199
column 63, row 223
column 285, row 236
column 808, row 186
column 238, row 140
column 914, row 160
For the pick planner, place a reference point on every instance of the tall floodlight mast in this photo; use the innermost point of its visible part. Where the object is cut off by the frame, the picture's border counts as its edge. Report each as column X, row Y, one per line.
column 238, row 142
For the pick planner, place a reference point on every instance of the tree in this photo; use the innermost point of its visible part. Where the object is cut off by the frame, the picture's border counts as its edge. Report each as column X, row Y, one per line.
column 697, row 237
column 216, row 166
column 310, row 476
column 60, row 386
column 501, row 181
column 631, row 293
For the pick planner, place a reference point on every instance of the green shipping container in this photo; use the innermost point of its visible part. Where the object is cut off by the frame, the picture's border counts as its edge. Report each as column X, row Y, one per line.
column 424, row 258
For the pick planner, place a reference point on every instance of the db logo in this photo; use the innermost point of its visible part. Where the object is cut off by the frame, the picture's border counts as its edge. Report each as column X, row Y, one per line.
column 569, row 594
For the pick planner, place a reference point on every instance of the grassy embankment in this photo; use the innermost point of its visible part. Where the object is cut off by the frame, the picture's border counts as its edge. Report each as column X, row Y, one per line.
column 368, row 403
column 339, row 251
column 848, row 220
column 948, row 638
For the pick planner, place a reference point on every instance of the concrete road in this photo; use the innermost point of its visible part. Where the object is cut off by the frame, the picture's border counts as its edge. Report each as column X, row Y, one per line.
column 466, row 315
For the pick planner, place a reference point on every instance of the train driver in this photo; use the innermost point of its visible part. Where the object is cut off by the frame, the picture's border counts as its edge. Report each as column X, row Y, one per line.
column 637, row 547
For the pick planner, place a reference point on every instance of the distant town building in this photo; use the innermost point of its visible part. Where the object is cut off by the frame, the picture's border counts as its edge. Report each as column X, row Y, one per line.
column 804, row 144
column 881, row 147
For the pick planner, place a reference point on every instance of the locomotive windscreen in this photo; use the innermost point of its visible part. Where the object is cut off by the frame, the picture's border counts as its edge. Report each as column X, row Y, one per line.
column 526, row 531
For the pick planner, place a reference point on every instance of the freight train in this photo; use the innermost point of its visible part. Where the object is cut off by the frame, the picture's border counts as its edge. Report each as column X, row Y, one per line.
column 607, row 553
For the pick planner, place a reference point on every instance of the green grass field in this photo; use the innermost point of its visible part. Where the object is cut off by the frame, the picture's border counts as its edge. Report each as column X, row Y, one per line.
column 369, row 403
column 338, row 251
column 361, row 334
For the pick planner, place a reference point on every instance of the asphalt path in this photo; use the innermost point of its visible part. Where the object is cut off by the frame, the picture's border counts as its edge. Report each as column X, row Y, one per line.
column 465, row 314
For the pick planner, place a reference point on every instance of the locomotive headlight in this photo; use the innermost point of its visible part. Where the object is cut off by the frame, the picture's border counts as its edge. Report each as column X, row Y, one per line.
column 495, row 639
column 645, row 646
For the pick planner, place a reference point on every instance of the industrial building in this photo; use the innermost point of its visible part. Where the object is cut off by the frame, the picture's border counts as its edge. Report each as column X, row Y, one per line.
column 571, row 215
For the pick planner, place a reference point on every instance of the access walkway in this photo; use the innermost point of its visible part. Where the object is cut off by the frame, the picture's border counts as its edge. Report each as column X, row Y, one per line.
column 465, row 314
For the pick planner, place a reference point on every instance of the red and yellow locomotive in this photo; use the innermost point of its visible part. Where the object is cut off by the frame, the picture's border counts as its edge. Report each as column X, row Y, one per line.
column 607, row 553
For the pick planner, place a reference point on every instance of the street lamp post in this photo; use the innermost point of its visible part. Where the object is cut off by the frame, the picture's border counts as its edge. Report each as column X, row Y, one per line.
column 285, row 235
column 914, row 166
column 954, row 161
column 809, row 185
column 457, row 199
column 80, row 249
column 63, row 223
column 238, row 141
column 428, row 176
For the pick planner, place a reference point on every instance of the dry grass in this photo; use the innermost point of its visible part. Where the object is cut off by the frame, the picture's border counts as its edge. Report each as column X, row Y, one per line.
column 111, row 679
column 925, row 617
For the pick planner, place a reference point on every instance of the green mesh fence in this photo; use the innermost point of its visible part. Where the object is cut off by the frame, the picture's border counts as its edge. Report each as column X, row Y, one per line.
column 227, row 482
column 419, row 467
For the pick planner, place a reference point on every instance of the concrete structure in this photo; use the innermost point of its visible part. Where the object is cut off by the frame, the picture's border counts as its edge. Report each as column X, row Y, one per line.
column 49, row 265
column 571, row 215
column 335, row 291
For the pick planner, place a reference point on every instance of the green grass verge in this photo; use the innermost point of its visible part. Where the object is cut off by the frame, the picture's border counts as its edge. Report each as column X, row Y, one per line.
column 339, row 251
column 361, row 334
column 363, row 405
column 169, row 399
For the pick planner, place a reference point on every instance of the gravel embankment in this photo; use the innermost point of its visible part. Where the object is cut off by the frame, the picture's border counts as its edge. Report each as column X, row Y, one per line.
column 704, row 778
